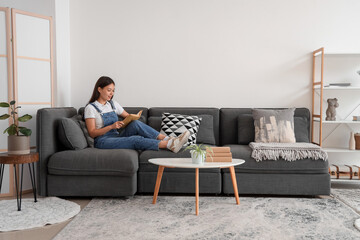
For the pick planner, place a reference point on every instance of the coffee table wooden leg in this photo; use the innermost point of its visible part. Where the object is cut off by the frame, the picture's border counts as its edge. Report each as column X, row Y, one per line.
column 158, row 181
column 233, row 178
column 197, row 190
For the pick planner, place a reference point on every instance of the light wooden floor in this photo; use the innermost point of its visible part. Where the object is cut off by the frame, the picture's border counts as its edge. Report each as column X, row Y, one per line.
column 49, row 231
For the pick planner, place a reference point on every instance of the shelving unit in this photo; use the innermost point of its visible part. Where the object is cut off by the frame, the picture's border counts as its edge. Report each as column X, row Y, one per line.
column 319, row 89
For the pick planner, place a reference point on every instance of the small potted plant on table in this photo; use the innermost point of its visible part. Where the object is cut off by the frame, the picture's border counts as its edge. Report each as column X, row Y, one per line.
column 198, row 152
column 17, row 144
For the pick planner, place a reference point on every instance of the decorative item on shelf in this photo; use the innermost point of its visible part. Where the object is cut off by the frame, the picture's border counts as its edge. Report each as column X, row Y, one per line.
column 219, row 154
column 331, row 110
column 357, row 141
column 356, row 118
column 198, row 152
column 17, row 144
column 352, row 141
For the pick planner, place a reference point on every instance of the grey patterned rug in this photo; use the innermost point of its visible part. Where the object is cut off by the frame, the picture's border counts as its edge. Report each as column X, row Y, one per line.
column 46, row 211
column 173, row 217
column 350, row 197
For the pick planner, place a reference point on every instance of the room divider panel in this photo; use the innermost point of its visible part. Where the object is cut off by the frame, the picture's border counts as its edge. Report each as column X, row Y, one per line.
column 29, row 75
column 5, row 93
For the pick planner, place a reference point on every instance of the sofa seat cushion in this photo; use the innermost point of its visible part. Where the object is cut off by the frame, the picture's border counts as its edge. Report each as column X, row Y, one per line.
column 93, row 161
column 302, row 166
column 145, row 166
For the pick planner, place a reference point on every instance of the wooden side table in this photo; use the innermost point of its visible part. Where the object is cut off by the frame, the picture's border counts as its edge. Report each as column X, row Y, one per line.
column 30, row 158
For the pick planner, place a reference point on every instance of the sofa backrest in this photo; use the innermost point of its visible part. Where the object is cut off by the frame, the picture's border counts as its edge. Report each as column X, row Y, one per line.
column 154, row 117
column 229, row 125
column 47, row 142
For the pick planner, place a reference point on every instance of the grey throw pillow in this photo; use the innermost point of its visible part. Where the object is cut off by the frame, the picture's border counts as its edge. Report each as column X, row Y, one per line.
column 274, row 125
column 70, row 134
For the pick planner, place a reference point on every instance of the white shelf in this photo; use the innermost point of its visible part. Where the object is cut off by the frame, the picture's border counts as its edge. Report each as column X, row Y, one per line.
column 341, row 53
column 338, row 122
column 337, row 88
column 340, row 150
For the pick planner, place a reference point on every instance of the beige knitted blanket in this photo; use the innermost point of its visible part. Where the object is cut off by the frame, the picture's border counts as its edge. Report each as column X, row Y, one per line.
column 287, row 151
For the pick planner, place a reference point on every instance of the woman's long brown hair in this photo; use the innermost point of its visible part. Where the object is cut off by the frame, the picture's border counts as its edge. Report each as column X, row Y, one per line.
column 101, row 82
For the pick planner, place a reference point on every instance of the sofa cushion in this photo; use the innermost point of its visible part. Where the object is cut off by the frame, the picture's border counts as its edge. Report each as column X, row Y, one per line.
column 302, row 126
column 206, row 130
column 214, row 112
column 145, row 166
column 281, row 124
column 174, row 125
column 155, row 123
column 70, row 133
column 302, row 166
column 229, row 123
column 93, row 161
column 246, row 129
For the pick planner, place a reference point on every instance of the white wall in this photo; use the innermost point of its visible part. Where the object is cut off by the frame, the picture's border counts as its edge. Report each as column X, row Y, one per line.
column 62, row 33
column 232, row 53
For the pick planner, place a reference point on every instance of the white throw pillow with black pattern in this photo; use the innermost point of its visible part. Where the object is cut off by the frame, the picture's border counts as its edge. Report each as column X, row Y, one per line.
column 175, row 124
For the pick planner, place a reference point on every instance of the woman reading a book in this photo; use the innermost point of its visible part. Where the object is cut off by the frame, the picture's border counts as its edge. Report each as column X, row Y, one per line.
column 101, row 117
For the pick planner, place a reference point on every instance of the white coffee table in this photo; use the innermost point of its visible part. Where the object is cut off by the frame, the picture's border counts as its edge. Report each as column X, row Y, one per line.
column 187, row 163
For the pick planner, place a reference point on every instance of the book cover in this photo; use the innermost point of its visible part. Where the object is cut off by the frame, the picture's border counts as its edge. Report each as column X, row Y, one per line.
column 131, row 117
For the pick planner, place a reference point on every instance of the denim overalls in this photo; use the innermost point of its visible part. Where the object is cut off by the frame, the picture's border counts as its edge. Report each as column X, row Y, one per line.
column 136, row 135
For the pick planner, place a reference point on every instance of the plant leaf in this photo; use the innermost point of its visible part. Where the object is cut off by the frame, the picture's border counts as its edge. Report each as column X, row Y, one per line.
column 4, row 104
column 12, row 129
column 6, row 130
column 12, row 102
column 25, row 118
column 18, row 107
column 25, row 131
column 4, row 116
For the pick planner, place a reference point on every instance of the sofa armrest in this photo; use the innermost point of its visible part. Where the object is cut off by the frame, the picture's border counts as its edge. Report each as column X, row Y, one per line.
column 47, row 120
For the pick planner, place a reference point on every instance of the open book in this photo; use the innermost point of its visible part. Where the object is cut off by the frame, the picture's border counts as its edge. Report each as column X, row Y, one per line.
column 131, row 117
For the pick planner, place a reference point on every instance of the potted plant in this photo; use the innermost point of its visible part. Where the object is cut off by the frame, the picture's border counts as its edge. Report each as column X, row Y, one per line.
column 17, row 144
column 198, row 152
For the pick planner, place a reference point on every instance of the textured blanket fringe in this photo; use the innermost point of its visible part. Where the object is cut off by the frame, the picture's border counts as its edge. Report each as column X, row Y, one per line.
column 288, row 154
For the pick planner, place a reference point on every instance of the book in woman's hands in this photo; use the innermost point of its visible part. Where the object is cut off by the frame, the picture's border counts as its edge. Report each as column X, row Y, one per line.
column 131, row 117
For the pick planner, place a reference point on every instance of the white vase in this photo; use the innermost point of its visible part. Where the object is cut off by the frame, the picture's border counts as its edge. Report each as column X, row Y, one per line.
column 18, row 144
column 197, row 158
column 352, row 141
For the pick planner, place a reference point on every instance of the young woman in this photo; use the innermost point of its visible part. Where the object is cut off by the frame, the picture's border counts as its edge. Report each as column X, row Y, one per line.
column 101, row 117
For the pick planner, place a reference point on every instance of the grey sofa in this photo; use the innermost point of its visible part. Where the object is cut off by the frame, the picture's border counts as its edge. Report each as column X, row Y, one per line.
column 124, row 172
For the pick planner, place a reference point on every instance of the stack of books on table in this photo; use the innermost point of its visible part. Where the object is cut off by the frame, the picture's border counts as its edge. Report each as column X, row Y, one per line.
column 218, row 154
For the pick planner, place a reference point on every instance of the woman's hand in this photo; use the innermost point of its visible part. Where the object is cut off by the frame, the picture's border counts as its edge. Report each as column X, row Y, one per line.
column 117, row 125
